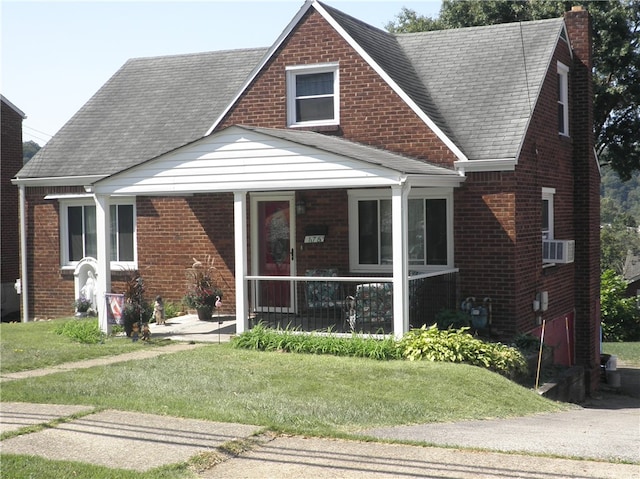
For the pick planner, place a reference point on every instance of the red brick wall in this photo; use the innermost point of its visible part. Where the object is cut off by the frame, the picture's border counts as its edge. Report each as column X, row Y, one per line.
column 173, row 231
column 11, row 161
column 586, row 197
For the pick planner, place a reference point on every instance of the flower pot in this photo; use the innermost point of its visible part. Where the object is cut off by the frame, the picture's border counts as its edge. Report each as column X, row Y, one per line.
column 204, row 313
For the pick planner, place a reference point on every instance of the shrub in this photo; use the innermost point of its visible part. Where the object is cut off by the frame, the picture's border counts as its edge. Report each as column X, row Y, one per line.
column 266, row 339
column 82, row 330
column 620, row 315
column 449, row 319
column 171, row 310
column 458, row 346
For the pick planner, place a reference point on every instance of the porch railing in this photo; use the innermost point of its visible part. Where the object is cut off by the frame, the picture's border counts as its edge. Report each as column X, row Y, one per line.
column 346, row 303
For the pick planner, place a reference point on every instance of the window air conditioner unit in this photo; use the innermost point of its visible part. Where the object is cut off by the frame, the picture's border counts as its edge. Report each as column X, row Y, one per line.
column 558, row 251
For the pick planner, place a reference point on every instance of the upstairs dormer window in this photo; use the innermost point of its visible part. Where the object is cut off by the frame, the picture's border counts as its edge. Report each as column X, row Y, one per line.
column 312, row 95
column 563, row 99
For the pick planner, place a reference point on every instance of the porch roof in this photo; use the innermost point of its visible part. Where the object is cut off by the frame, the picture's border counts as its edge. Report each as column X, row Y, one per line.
column 243, row 158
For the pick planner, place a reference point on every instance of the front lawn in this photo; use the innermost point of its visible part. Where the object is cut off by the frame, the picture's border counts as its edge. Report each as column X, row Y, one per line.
column 35, row 345
column 296, row 393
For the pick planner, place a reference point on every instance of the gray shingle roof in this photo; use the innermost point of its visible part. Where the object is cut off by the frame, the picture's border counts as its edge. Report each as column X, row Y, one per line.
column 477, row 80
column 150, row 106
column 471, row 82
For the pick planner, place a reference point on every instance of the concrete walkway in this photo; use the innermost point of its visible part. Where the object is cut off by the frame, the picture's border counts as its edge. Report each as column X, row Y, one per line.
column 602, row 432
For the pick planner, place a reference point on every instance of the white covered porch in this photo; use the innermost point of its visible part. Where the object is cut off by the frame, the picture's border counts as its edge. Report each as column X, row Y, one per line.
column 262, row 164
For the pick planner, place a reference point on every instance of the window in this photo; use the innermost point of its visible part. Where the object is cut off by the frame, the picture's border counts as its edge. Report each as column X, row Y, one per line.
column 547, row 213
column 563, row 99
column 312, row 95
column 79, row 232
column 430, row 230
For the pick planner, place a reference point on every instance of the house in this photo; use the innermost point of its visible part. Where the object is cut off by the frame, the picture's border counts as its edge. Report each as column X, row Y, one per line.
column 10, row 163
column 343, row 174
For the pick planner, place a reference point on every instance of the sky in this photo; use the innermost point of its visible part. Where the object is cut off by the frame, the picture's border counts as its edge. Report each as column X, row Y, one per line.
column 55, row 55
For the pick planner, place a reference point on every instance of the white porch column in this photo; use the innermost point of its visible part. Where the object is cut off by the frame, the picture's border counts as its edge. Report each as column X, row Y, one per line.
column 103, row 280
column 24, row 279
column 240, row 243
column 399, row 207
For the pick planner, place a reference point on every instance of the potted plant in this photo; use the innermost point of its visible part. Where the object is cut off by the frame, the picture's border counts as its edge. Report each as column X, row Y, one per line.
column 202, row 289
column 82, row 306
column 136, row 309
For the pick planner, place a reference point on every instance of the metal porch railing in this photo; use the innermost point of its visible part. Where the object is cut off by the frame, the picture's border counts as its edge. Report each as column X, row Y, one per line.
column 344, row 304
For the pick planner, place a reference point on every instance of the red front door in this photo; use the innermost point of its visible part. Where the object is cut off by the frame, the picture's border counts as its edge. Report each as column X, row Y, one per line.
column 273, row 232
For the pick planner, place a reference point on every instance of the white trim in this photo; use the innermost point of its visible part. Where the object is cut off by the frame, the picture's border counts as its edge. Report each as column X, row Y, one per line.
column 89, row 200
column 291, row 73
column 548, row 194
column 385, row 194
column 58, row 180
column 563, row 98
column 71, row 196
column 473, row 166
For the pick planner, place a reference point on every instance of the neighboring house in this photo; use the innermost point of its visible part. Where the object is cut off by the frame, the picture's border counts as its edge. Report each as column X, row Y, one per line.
column 409, row 171
column 10, row 163
column 632, row 275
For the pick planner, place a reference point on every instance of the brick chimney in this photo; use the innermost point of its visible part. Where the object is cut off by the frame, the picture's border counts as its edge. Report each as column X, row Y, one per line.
column 586, row 197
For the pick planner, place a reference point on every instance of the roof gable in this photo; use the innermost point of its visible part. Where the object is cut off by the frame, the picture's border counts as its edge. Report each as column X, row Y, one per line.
column 262, row 159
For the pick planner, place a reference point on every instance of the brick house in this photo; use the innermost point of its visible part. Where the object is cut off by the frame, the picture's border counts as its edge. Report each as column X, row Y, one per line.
column 373, row 176
column 10, row 164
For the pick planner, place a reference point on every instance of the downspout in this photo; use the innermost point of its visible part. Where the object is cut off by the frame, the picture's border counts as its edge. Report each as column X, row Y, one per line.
column 24, row 283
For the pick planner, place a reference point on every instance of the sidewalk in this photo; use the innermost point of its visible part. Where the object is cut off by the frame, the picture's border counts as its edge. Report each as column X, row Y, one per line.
column 602, row 432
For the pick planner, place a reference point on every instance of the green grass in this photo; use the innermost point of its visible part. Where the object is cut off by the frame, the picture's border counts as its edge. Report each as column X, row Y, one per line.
column 628, row 353
column 294, row 393
column 25, row 346
column 286, row 392
column 30, row 467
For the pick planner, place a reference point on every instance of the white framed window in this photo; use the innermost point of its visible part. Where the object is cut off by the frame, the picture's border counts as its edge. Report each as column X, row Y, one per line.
column 563, row 99
column 78, row 232
column 312, row 95
column 429, row 232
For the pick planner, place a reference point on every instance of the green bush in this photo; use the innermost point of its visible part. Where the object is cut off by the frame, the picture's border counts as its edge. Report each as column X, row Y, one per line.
column 458, row 346
column 81, row 330
column 449, row 319
column 171, row 310
column 288, row 340
column 620, row 315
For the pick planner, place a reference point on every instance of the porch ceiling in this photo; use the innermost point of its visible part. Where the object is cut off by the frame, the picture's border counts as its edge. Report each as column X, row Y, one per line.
column 242, row 158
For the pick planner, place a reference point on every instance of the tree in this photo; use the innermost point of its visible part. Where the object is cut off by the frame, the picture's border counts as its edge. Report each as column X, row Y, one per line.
column 620, row 315
column 616, row 61
column 29, row 148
